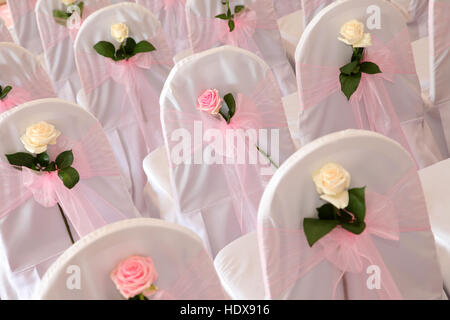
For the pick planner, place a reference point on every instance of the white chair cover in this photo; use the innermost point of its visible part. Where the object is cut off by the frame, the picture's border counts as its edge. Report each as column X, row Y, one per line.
column 325, row 109
column 23, row 71
column 219, row 201
column 256, row 31
column 125, row 97
column 285, row 7
column 388, row 171
column 33, row 236
column 172, row 15
column 5, row 36
column 24, row 24
column 57, row 42
column 185, row 271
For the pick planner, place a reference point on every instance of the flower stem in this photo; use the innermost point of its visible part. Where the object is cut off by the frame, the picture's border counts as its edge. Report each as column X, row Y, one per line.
column 267, row 157
column 66, row 223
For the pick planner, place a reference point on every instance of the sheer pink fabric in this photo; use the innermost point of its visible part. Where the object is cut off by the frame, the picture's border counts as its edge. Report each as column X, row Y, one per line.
column 94, row 70
column 199, row 281
column 244, row 181
column 285, row 7
column 316, row 83
column 312, row 7
column 52, row 33
column 287, row 256
column 38, row 86
column 205, row 33
column 85, row 209
column 21, row 7
column 172, row 15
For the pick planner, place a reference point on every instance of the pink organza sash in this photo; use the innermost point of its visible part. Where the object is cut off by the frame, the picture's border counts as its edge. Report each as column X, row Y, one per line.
column 260, row 110
column 140, row 95
column 85, row 209
column 205, row 33
column 53, row 33
column 174, row 23
column 20, row 8
column 372, row 99
column 287, row 257
column 199, row 281
column 38, row 86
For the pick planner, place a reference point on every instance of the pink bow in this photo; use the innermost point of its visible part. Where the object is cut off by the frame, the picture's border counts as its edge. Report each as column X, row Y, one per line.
column 348, row 252
column 45, row 186
column 242, row 35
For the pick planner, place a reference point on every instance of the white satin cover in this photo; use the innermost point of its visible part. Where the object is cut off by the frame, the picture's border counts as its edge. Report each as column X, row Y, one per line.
column 109, row 101
column 373, row 161
column 5, row 36
column 31, row 236
column 204, row 200
column 184, row 272
column 58, row 49
column 334, row 113
column 24, row 24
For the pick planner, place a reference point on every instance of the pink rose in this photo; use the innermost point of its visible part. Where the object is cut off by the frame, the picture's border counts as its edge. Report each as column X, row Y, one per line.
column 135, row 275
column 209, row 101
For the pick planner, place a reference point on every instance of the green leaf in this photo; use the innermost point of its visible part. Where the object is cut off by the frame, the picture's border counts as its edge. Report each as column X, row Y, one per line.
column 229, row 15
column 370, row 68
column 239, row 8
column 357, row 54
column 143, row 46
column 21, row 159
column 64, row 160
column 231, row 103
column 356, row 227
column 222, row 16
column 59, row 14
column 69, row 177
column 326, row 212
column 224, row 115
column 345, row 217
column 231, row 25
column 315, row 229
column 105, row 48
column 51, row 167
column 5, row 92
column 81, row 6
column 349, row 67
column 349, row 84
column 43, row 159
column 357, row 203
column 130, row 44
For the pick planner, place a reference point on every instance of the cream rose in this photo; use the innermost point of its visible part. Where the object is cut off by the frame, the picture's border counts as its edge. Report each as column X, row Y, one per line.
column 209, row 101
column 352, row 33
column 332, row 182
column 135, row 275
column 68, row 2
column 119, row 31
column 38, row 136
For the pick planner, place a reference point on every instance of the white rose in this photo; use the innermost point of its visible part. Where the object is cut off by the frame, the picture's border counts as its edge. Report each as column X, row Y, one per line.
column 332, row 182
column 68, row 2
column 352, row 33
column 119, row 32
column 38, row 136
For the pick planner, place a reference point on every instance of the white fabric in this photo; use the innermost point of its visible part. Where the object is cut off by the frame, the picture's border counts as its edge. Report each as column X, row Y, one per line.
column 59, row 56
column 374, row 161
column 291, row 29
column 172, row 248
column 435, row 180
column 105, row 102
column 31, row 236
column 286, row 7
column 5, row 36
column 268, row 40
column 24, row 24
column 404, row 92
column 239, row 268
column 203, row 199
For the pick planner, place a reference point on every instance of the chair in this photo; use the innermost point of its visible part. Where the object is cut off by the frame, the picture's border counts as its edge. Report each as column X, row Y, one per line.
column 399, row 111
column 24, row 73
column 185, row 271
column 24, row 24
column 215, row 195
column 32, row 230
column 124, row 96
column 57, row 41
column 339, row 266
column 255, row 30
